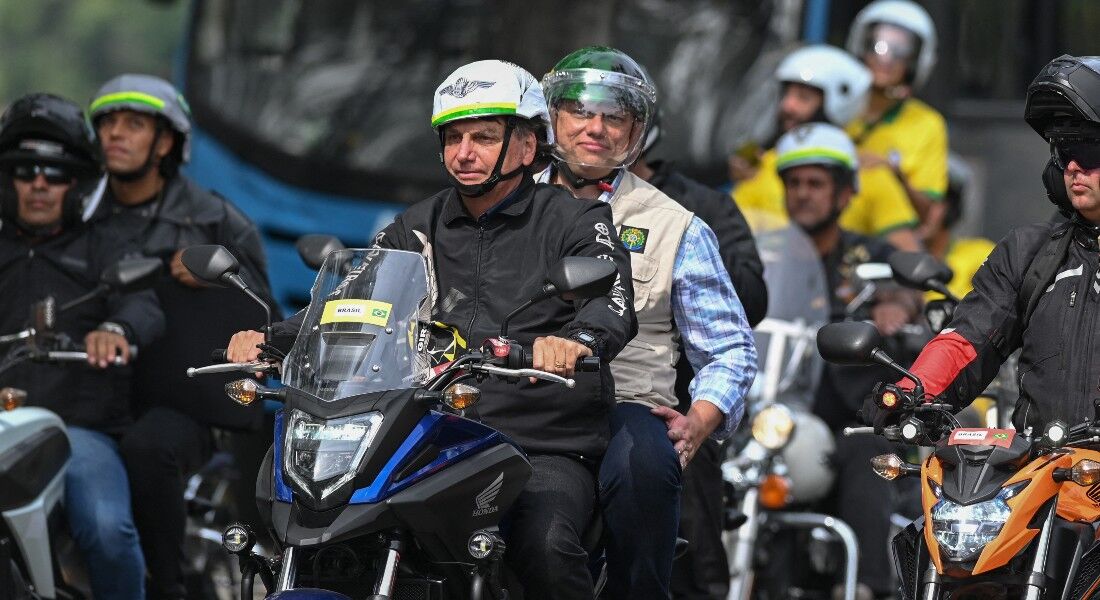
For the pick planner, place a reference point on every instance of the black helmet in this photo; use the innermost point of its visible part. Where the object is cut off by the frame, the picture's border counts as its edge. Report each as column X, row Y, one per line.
column 1064, row 98
column 1063, row 103
column 43, row 128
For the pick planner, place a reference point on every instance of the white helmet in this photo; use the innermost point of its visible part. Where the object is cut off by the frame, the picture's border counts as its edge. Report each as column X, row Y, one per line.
column 817, row 144
column 489, row 88
column 843, row 80
column 901, row 13
column 808, row 457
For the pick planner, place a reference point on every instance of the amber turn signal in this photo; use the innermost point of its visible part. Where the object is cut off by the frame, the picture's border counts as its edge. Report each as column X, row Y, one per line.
column 775, row 491
column 889, row 400
column 889, row 466
column 461, row 396
column 12, row 398
column 242, row 391
column 1085, row 472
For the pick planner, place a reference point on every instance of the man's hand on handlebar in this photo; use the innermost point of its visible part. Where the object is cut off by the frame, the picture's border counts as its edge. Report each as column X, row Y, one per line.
column 103, row 346
column 556, row 355
column 243, row 346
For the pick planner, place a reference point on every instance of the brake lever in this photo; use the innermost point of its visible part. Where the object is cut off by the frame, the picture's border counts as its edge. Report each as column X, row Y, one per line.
column 256, row 366
column 543, row 375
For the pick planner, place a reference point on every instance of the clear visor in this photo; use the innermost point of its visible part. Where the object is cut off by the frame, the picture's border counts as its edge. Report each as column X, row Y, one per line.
column 599, row 118
column 889, row 43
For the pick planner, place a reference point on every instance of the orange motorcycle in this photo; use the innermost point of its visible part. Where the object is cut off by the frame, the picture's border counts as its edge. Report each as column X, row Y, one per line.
column 1007, row 514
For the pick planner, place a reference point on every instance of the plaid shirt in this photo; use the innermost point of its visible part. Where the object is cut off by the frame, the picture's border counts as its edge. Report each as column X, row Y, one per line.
column 715, row 333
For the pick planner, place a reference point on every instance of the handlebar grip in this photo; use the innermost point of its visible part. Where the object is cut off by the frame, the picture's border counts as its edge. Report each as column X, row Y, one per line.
column 219, row 355
column 589, row 363
column 584, row 364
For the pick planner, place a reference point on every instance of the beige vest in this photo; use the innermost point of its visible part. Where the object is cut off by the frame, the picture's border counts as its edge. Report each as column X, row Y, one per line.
column 650, row 225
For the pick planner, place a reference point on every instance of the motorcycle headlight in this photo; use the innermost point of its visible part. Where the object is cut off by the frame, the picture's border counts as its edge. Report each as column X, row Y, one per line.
column 963, row 531
column 772, row 427
column 327, row 453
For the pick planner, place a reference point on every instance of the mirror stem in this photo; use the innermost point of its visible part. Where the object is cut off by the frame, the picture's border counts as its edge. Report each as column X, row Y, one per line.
column 882, row 358
column 95, row 293
column 521, row 308
column 938, row 286
column 236, row 281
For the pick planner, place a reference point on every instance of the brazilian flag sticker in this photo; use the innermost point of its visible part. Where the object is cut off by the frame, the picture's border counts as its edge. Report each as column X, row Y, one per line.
column 369, row 312
column 634, row 238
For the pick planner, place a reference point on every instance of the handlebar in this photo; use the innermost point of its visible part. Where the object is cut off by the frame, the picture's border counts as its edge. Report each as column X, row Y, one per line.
column 585, row 364
column 77, row 356
column 220, row 355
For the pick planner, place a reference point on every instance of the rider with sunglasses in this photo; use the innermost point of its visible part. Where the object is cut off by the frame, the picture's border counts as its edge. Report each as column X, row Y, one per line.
column 1039, row 290
column 50, row 170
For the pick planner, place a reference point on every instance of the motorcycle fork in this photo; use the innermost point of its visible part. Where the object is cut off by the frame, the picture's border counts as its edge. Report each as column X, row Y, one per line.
column 741, row 548
column 1036, row 582
column 387, row 576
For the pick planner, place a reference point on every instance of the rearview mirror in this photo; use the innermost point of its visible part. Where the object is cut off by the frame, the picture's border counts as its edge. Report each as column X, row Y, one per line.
column 580, row 277
column 849, row 343
column 130, row 273
column 211, row 263
column 313, row 248
column 920, row 270
column 874, row 272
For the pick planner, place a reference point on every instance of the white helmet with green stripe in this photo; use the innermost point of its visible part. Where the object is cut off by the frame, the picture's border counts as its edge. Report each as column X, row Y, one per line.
column 146, row 94
column 818, row 144
column 489, row 88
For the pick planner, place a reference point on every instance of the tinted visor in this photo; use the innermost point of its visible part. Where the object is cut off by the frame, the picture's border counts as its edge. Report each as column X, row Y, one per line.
column 1085, row 153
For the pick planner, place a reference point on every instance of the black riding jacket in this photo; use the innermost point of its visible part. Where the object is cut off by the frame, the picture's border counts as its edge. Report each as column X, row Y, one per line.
column 486, row 267
column 199, row 320
column 67, row 266
column 1060, row 359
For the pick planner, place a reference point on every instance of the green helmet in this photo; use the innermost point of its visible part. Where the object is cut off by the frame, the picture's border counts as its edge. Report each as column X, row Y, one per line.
column 603, row 81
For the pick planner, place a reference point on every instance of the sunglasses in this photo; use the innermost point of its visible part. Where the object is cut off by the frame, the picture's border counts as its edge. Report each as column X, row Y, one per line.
column 1085, row 154
column 54, row 175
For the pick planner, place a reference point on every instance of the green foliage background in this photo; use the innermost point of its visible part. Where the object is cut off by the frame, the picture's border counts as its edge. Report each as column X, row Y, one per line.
column 70, row 47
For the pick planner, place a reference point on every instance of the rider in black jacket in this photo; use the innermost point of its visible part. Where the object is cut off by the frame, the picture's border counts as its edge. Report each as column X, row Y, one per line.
column 1059, row 371
column 144, row 128
column 490, row 241
column 49, row 172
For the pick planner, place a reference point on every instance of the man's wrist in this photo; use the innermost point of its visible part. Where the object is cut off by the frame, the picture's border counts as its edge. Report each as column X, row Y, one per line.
column 587, row 339
column 709, row 416
column 115, row 328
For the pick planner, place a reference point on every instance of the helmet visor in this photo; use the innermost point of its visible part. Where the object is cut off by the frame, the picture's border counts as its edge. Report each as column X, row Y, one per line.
column 599, row 117
column 889, row 43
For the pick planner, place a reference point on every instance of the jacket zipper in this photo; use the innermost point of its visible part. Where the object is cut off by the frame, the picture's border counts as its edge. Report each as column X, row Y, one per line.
column 477, row 281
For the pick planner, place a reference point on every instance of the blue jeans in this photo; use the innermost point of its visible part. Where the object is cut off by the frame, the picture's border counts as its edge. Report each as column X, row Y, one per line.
column 640, row 492
column 97, row 504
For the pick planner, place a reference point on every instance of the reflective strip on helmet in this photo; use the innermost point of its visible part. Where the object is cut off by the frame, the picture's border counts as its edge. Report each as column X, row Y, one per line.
column 471, row 110
column 127, row 98
column 806, row 156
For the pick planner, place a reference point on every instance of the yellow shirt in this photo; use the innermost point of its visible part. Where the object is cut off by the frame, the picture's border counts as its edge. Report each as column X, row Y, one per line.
column 917, row 135
column 881, row 206
column 964, row 257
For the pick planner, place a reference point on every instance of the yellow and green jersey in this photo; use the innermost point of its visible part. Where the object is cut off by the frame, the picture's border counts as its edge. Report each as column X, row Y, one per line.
column 964, row 256
column 916, row 135
column 880, row 207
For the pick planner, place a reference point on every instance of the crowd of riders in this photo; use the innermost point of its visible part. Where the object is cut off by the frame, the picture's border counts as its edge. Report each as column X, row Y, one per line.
column 539, row 170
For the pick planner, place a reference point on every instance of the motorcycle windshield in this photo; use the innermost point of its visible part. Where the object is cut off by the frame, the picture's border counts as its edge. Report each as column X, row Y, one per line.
column 361, row 330
column 798, row 305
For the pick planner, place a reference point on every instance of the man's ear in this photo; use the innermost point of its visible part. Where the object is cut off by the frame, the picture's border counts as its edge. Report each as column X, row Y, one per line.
column 165, row 142
column 530, row 148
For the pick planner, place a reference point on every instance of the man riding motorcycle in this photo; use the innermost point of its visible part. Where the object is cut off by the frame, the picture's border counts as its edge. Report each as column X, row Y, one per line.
column 818, row 166
column 1039, row 290
column 489, row 239
column 144, row 127
column 50, row 171
column 600, row 103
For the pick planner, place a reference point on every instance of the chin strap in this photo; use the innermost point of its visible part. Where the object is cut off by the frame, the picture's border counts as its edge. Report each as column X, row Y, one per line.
column 577, row 182
column 480, row 189
column 150, row 162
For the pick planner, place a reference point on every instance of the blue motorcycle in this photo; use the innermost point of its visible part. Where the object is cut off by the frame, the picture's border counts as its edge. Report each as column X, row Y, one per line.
column 377, row 486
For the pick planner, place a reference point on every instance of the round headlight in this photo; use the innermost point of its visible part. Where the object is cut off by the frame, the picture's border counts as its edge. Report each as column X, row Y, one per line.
column 238, row 539
column 772, row 427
